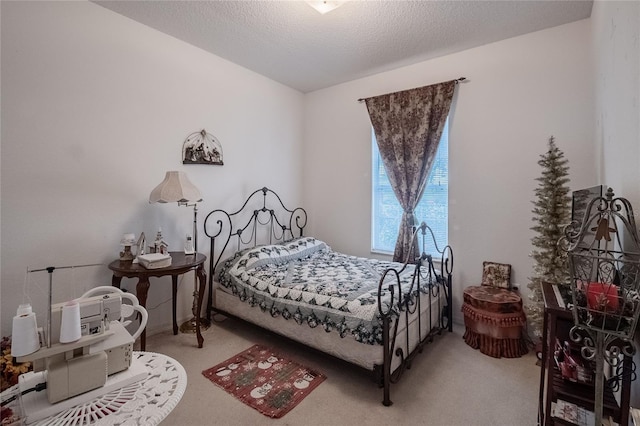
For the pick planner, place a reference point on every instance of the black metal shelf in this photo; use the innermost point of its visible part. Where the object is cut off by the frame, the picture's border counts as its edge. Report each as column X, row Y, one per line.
column 558, row 321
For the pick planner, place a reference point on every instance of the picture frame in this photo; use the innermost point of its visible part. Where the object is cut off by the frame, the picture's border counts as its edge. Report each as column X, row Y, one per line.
column 202, row 148
column 580, row 200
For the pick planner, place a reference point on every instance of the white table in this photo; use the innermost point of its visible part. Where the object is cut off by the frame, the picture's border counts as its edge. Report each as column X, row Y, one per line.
column 146, row 402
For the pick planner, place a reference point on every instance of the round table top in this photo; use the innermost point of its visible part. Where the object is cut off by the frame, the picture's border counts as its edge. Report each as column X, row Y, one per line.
column 146, row 402
column 179, row 261
column 493, row 301
column 491, row 294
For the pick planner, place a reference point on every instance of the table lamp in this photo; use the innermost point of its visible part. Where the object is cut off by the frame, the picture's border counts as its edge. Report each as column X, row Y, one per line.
column 177, row 188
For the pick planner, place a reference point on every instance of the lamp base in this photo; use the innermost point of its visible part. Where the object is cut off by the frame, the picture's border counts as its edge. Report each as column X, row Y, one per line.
column 189, row 326
column 126, row 255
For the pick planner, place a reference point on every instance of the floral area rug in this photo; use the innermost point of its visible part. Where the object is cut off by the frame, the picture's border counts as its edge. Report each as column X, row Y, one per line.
column 265, row 380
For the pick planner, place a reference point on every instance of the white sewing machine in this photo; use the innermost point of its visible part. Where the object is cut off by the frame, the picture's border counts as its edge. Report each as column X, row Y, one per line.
column 79, row 371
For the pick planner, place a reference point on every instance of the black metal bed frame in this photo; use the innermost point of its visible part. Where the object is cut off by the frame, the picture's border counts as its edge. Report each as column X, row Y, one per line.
column 282, row 224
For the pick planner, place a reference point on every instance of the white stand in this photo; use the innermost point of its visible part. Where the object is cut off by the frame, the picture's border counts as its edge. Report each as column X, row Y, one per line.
column 36, row 406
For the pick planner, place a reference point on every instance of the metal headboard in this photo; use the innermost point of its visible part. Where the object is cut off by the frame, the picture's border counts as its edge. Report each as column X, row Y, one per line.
column 270, row 222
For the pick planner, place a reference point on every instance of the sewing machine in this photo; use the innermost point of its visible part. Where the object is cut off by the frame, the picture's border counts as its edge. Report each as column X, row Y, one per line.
column 76, row 372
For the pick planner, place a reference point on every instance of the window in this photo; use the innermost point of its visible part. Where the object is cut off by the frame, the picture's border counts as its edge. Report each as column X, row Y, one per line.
column 433, row 207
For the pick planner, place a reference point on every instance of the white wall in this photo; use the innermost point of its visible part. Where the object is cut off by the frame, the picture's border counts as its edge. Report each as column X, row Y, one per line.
column 95, row 108
column 616, row 43
column 519, row 92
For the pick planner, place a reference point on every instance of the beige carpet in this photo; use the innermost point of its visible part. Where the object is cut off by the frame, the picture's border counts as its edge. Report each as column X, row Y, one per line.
column 449, row 384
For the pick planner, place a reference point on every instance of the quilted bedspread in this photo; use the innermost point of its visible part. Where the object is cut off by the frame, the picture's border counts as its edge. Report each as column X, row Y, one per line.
column 305, row 280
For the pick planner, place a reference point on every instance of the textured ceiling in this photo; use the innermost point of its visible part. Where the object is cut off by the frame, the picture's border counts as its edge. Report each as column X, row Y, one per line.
column 290, row 42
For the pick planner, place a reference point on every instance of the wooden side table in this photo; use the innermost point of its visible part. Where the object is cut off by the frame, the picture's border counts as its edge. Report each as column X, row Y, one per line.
column 180, row 264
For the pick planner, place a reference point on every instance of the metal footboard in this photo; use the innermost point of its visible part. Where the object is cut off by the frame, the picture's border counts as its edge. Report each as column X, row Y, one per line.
column 425, row 284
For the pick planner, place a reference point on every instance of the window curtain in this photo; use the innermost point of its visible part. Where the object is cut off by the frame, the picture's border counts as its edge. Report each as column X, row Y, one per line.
column 408, row 126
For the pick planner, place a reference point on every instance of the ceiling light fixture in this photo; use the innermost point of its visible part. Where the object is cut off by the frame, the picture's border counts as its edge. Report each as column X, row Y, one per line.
column 325, row 6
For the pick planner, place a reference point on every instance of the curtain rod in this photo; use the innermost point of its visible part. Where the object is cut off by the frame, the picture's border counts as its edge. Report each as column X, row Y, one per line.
column 457, row 80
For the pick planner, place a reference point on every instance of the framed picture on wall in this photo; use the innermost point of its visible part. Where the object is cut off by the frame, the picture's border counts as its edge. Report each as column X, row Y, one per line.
column 580, row 200
column 202, row 148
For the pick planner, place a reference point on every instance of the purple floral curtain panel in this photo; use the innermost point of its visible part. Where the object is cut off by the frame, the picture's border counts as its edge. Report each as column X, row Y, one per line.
column 408, row 126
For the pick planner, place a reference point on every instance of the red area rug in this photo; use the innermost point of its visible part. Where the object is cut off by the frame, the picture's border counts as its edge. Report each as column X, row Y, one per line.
column 265, row 380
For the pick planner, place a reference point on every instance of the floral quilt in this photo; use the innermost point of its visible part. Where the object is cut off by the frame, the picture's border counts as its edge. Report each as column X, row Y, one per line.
column 305, row 280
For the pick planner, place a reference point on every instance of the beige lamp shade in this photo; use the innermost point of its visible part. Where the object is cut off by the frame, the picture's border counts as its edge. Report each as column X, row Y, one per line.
column 175, row 188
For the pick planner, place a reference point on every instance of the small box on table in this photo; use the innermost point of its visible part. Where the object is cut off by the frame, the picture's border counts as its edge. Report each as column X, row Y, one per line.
column 155, row 260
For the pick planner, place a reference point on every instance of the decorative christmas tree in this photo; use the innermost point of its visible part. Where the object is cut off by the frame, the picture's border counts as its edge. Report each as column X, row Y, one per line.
column 551, row 214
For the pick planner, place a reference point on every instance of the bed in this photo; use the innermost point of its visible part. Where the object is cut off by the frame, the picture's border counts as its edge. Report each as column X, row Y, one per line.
column 374, row 314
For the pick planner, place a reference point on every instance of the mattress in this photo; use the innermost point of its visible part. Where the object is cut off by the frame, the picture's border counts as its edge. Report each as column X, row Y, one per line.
column 350, row 350
column 324, row 299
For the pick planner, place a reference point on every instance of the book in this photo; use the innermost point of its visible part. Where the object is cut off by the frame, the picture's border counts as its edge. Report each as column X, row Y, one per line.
column 572, row 413
column 155, row 260
column 635, row 416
